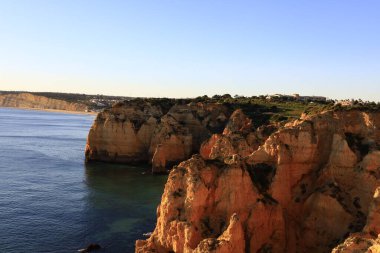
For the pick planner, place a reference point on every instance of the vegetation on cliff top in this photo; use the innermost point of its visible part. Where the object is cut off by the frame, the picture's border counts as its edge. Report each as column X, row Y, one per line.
column 259, row 108
column 262, row 110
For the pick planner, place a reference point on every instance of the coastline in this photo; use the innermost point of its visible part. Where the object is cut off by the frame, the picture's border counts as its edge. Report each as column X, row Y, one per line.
column 51, row 110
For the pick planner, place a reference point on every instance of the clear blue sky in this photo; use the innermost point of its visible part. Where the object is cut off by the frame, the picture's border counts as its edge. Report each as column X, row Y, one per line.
column 187, row 48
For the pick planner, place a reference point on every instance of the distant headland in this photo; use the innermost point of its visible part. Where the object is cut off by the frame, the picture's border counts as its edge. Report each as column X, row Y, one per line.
column 54, row 101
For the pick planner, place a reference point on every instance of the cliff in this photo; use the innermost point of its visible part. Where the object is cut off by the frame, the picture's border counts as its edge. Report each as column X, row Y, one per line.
column 27, row 100
column 164, row 131
column 141, row 131
column 309, row 186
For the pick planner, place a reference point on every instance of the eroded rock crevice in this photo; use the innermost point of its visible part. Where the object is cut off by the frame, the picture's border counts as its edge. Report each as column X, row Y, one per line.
column 307, row 187
column 357, row 144
column 261, row 175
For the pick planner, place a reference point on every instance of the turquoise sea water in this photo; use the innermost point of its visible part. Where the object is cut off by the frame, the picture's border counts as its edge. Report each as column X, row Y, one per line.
column 50, row 201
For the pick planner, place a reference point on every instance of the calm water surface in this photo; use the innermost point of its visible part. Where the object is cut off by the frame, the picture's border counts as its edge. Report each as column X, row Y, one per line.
column 50, row 201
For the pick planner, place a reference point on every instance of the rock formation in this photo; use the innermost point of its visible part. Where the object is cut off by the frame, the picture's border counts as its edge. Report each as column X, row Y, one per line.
column 308, row 187
column 27, row 100
column 123, row 133
column 136, row 131
column 367, row 240
column 238, row 137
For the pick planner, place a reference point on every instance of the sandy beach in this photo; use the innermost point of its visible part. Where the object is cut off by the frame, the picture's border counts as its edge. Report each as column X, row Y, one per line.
column 52, row 110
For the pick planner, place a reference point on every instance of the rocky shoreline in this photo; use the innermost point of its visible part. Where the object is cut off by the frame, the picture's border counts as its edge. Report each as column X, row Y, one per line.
column 310, row 185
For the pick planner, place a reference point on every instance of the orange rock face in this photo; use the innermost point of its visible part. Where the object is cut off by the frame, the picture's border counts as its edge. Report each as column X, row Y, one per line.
column 238, row 137
column 141, row 132
column 123, row 133
column 307, row 187
column 367, row 240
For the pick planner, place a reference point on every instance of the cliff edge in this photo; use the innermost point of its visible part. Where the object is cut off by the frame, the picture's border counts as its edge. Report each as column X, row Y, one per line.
column 140, row 131
column 310, row 186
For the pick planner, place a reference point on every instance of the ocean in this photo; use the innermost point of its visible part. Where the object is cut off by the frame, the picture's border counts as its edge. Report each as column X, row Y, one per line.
column 51, row 201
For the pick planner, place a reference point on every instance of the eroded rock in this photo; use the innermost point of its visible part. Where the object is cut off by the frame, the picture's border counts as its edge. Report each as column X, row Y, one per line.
column 306, row 188
column 139, row 131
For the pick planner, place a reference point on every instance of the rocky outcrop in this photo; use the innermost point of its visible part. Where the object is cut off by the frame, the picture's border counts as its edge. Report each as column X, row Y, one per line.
column 27, row 100
column 123, row 133
column 172, row 142
column 307, row 188
column 189, row 211
column 138, row 131
column 238, row 137
column 367, row 240
column 182, row 130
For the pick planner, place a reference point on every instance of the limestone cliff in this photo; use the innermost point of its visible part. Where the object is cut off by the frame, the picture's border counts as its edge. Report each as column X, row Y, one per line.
column 238, row 137
column 28, row 100
column 136, row 131
column 367, row 240
column 123, row 133
column 308, row 187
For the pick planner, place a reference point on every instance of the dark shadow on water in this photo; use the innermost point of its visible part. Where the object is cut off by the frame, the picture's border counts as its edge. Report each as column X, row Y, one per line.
column 120, row 205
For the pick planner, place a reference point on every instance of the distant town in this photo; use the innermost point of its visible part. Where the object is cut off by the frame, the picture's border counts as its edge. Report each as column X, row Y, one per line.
column 314, row 99
column 296, row 97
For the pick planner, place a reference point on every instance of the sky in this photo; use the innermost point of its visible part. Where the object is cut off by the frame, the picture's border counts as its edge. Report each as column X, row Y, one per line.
column 188, row 48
